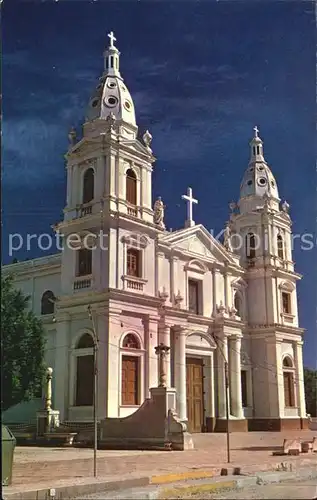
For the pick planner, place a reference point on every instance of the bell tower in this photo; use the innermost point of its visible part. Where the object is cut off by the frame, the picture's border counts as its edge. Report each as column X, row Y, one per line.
column 109, row 178
column 261, row 235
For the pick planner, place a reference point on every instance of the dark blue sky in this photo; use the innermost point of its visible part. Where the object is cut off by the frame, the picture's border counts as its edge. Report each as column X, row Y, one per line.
column 201, row 74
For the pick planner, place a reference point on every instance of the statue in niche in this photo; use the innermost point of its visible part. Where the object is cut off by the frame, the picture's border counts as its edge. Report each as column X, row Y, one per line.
column 227, row 238
column 159, row 213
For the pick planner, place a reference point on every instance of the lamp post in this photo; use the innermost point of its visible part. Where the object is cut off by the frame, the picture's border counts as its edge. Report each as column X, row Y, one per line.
column 227, row 394
column 95, row 395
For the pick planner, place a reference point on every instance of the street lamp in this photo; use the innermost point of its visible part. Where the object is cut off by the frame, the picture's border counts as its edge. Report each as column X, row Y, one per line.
column 95, row 340
column 227, row 394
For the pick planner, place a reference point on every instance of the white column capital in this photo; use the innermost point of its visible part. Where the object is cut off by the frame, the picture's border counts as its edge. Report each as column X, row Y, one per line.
column 180, row 330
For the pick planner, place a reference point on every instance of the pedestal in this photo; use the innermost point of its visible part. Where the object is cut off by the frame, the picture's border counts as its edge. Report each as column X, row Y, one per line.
column 166, row 395
column 46, row 421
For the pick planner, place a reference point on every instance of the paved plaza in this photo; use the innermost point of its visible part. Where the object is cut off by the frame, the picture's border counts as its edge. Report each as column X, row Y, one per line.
column 252, row 451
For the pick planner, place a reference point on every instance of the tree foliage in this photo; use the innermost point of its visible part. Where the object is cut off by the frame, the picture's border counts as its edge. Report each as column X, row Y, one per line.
column 22, row 344
column 310, row 381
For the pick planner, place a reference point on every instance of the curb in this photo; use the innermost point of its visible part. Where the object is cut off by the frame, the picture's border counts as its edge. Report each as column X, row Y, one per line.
column 153, row 486
column 75, row 490
column 235, row 482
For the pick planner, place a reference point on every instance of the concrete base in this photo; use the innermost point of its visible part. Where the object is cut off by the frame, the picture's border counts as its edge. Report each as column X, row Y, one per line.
column 278, row 424
column 234, row 425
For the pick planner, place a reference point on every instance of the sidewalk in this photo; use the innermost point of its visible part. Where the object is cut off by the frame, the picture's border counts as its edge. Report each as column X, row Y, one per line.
column 43, row 468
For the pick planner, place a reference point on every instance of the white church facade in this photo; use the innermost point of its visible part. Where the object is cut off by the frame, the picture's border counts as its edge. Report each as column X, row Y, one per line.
column 125, row 281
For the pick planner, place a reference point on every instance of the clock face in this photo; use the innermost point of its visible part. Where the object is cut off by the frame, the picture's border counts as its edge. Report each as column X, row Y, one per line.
column 110, row 101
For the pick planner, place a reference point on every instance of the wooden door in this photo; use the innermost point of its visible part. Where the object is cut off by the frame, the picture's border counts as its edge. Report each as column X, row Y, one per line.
column 130, row 381
column 195, row 394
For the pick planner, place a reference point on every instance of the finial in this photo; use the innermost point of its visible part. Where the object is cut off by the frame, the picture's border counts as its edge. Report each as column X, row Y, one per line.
column 285, row 206
column 232, row 206
column 112, row 39
column 256, row 131
column 147, row 139
column 72, row 136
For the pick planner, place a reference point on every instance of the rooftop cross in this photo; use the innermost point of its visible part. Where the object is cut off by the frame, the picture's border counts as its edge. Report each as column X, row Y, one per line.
column 256, row 131
column 112, row 38
column 190, row 201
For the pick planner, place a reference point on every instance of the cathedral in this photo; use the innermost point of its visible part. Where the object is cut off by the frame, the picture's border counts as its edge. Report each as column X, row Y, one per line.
column 227, row 310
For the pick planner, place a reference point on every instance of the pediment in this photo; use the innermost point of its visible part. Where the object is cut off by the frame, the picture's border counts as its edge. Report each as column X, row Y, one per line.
column 136, row 146
column 197, row 242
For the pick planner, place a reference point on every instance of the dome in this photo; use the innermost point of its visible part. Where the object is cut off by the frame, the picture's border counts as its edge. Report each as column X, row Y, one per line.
column 111, row 94
column 258, row 183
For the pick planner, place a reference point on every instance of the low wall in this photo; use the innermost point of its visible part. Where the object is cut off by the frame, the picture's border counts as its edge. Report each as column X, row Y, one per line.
column 153, row 425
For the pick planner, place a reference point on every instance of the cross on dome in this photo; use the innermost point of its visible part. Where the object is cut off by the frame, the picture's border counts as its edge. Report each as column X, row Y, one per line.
column 112, row 38
column 256, row 131
column 190, row 201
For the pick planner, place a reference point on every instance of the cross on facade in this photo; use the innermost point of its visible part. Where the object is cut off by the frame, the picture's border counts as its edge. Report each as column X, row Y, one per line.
column 112, row 38
column 190, row 201
column 256, row 131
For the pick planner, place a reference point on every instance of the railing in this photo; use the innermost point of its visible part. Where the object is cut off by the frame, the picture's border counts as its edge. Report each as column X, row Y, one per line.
column 134, row 285
column 86, row 210
column 82, row 284
column 132, row 211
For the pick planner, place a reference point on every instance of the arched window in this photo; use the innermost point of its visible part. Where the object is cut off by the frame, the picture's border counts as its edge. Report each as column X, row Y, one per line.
column 131, row 341
column 250, row 245
column 48, row 302
column 280, row 246
column 238, row 304
column 85, row 341
column 84, row 371
column 288, row 379
column 131, row 186
column 88, row 185
column 287, row 362
column 130, row 372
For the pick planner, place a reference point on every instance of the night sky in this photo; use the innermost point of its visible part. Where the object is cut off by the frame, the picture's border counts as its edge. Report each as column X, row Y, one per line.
column 201, row 74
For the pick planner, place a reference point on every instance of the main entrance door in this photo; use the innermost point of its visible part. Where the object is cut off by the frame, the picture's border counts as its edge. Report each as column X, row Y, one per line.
column 195, row 394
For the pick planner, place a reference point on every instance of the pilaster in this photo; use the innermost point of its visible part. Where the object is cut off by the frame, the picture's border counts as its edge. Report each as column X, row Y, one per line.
column 235, row 378
column 180, row 370
column 222, row 357
column 61, row 372
column 150, row 324
column 298, row 349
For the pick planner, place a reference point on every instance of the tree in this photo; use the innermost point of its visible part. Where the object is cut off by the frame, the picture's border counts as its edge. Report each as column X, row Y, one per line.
column 22, row 344
column 310, row 382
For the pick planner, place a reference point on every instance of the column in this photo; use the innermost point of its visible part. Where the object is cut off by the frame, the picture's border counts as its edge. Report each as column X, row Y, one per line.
column 180, row 371
column 235, row 378
column 61, row 367
column 165, row 338
column 299, row 380
column 222, row 355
